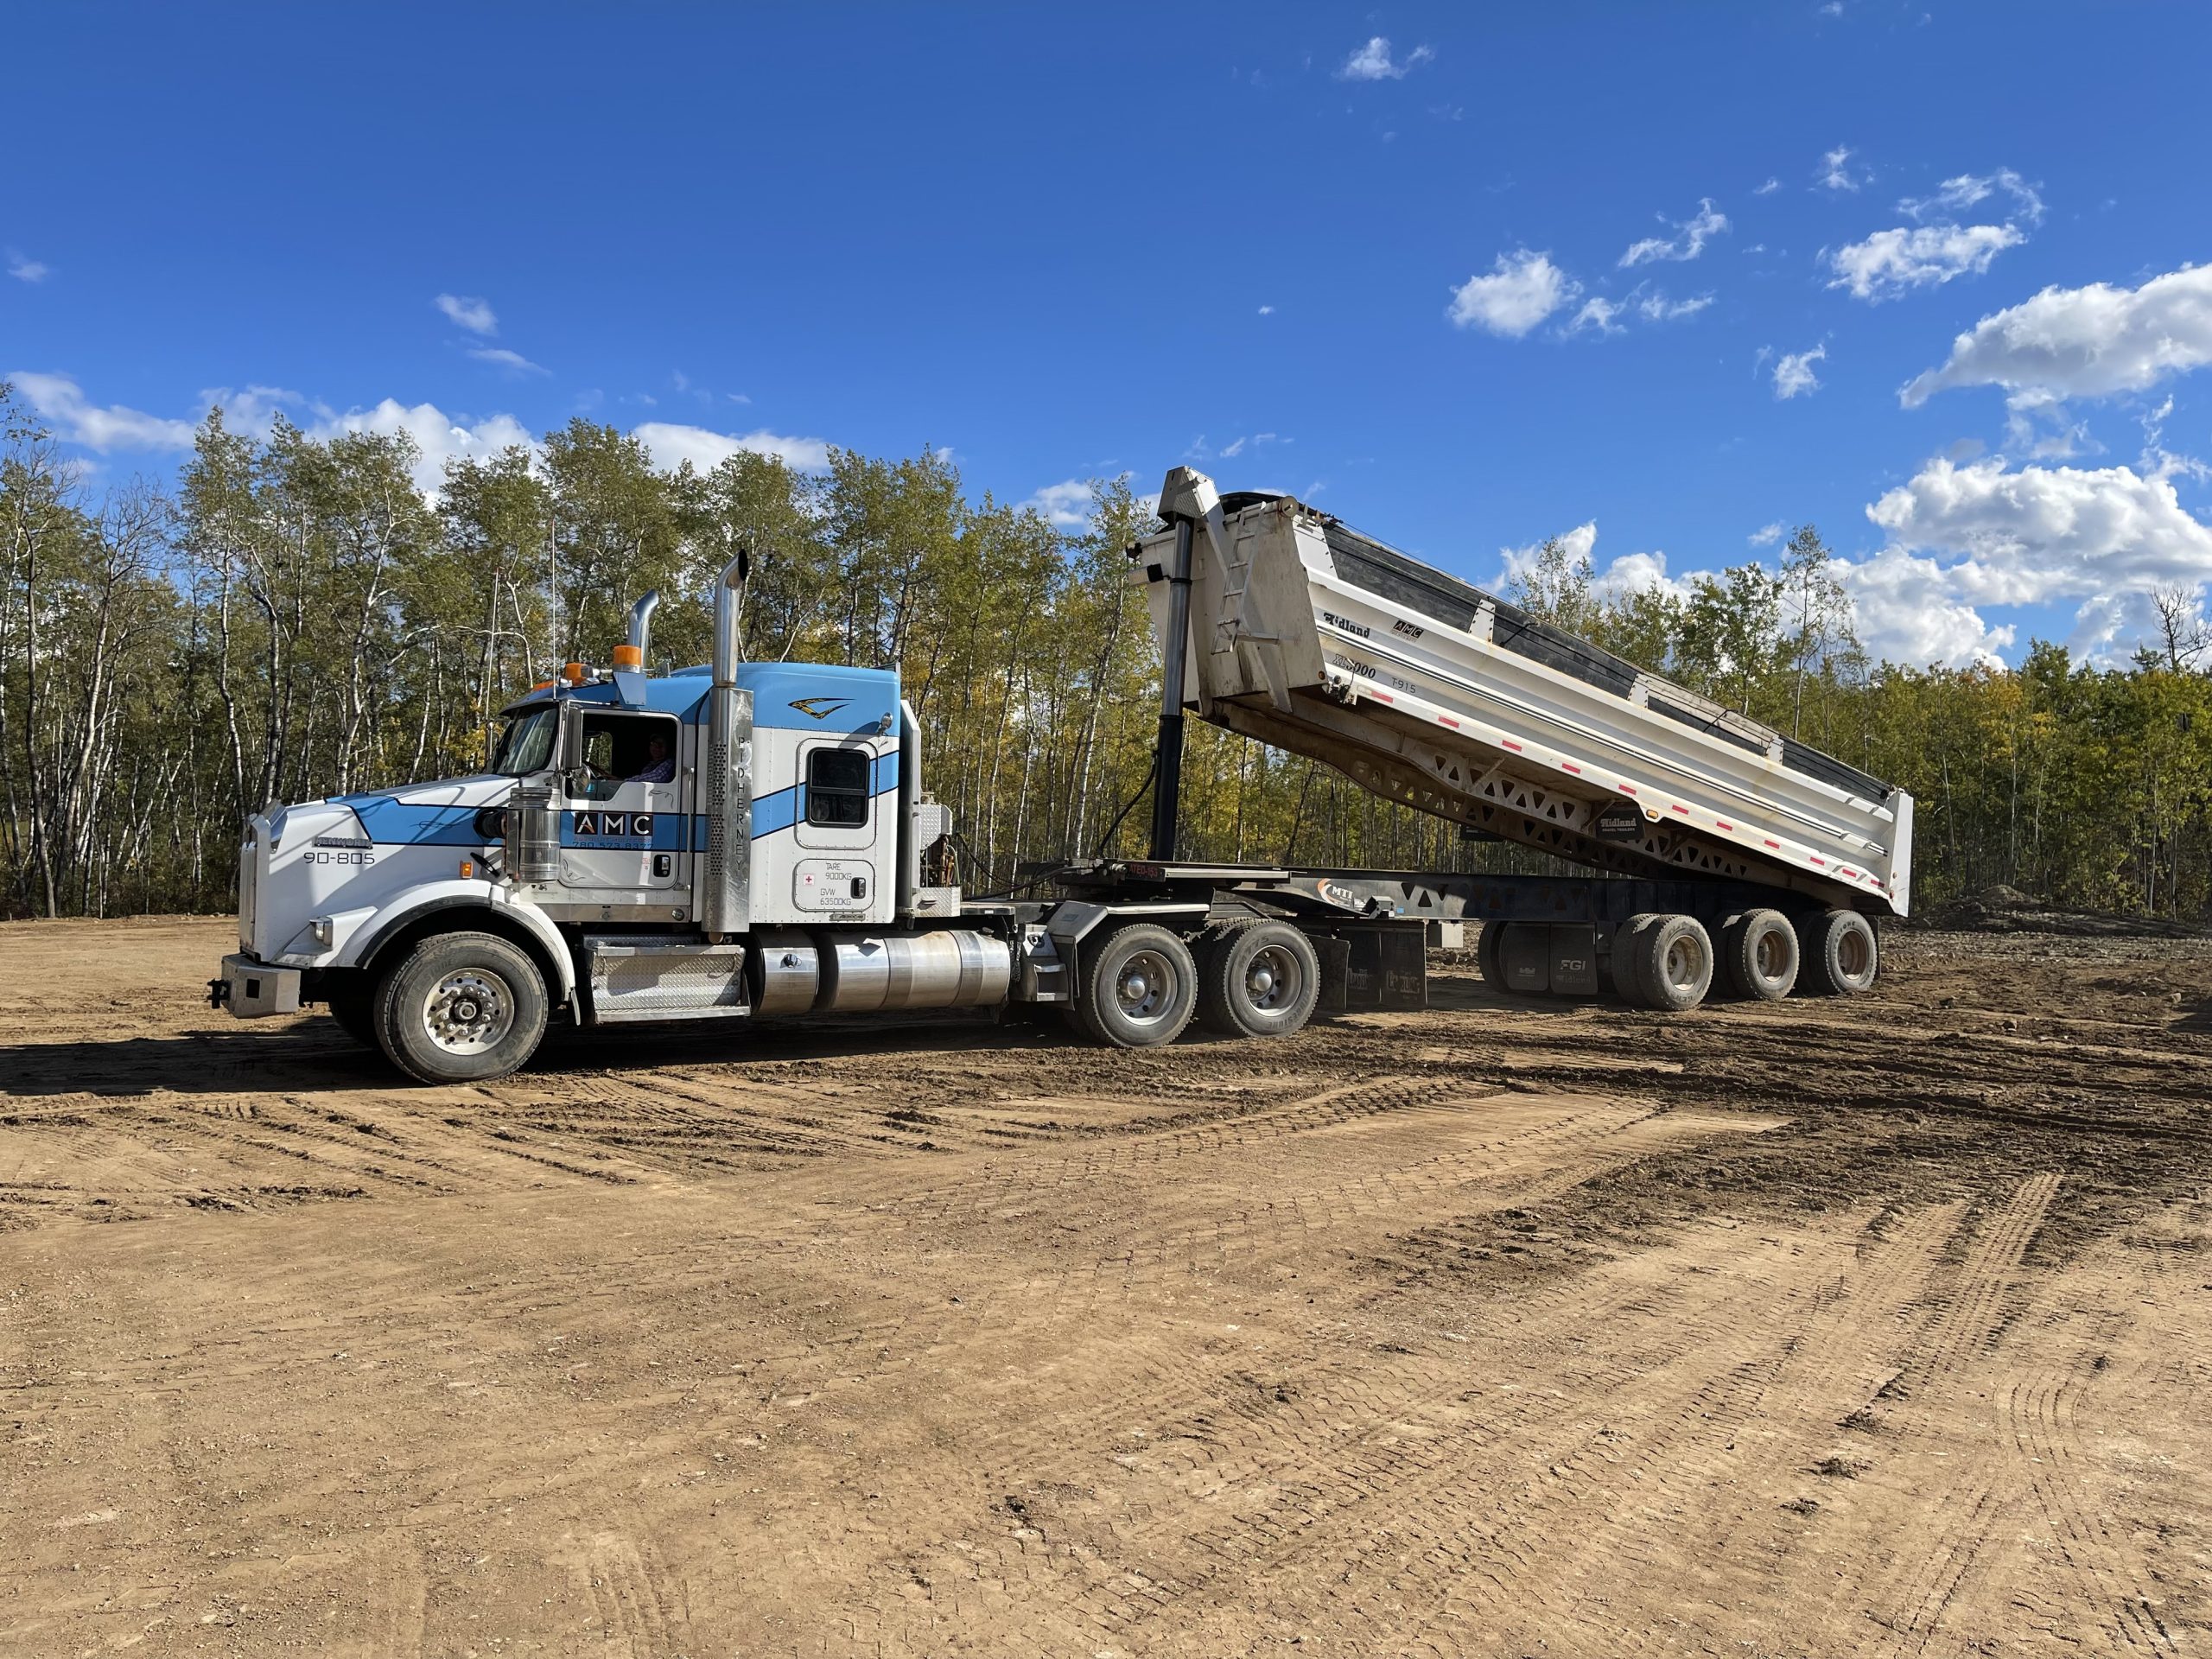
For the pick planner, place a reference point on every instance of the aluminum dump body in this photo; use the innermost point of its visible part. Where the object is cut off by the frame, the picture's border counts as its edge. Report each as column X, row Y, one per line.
column 1307, row 635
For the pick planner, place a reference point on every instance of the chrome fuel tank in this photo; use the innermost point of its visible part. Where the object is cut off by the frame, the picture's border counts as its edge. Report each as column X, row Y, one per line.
column 867, row 973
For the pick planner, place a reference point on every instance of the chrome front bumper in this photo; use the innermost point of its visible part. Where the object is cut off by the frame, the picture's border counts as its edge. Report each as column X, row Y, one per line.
column 249, row 988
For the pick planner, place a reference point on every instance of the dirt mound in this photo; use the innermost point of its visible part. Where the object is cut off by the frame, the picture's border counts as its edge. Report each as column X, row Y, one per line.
column 2001, row 909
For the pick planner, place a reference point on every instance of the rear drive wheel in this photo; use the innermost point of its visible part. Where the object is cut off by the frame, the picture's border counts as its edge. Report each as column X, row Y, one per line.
column 1674, row 963
column 1139, row 988
column 1838, row 952
column 1628, row 974
column 1759, row 949
column 463, row 1007
column 1259, row 980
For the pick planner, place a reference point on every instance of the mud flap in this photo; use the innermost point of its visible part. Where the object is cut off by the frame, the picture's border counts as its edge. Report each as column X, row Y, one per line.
column 1371, row 967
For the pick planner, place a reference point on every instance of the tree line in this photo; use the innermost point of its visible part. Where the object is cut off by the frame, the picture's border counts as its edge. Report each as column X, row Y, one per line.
column 292, row 617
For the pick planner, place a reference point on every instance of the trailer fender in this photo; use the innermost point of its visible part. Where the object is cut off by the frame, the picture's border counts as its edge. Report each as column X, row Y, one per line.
column 455, row 899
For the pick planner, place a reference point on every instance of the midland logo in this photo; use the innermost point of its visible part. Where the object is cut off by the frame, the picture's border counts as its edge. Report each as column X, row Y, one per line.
column 819, row 707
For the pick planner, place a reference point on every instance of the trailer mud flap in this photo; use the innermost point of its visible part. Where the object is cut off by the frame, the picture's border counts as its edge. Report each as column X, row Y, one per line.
column 1372, row 967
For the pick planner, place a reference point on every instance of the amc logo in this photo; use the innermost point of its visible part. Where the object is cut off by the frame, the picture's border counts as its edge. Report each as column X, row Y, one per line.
column 615, row 823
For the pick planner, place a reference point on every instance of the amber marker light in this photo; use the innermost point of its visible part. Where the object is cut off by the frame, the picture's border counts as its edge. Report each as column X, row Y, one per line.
column 629, row 657
column 574, row 673
column 467, row 869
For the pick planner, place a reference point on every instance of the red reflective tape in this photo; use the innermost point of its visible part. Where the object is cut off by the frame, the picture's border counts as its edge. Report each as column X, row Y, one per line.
column 1627, row 789
column 1570, row 766
column 1818, row 859
column 1844, row 872
column 1448, row 721
column 1679, row 808
column 1510, row 744
column 1385, row 695
column 1722, row 823
column 1774, row 844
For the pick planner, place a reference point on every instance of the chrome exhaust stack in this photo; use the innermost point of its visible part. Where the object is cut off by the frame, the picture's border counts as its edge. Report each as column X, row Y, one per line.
column 725, row 892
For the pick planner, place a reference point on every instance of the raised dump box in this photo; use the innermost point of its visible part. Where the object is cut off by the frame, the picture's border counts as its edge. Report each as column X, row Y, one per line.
column 1308, row 635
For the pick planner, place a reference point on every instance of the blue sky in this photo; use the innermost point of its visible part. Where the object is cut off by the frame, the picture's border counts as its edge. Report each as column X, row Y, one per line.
column 1466, row 276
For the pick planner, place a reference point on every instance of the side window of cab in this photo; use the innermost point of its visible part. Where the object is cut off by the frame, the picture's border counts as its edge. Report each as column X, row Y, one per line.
column 624, row 748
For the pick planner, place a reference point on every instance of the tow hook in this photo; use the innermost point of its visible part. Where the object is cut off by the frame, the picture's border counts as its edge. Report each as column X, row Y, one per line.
column 219, row 992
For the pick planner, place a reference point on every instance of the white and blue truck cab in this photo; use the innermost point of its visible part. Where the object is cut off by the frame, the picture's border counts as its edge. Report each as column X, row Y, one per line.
column 737, row 840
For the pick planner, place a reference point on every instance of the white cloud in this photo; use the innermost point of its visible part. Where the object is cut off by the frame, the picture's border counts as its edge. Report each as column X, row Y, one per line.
column 1969, row 190
column 1793, row 373
column 1266, row 310
column 1688, row 240
column 1907, row 610
column 1631, row 573
column 1768, row 188
column 24, row 268
column 2084, row 342
column 670, row 444
column 1373, row 62
column 76, row 419
column 513, row 362
column 1522, row 291
column 439, row 437
column 2106, row 536
column 472, row 314
column 1835, row 170
column 1657, row 308
column 1766, row 535
column 1519, row 561
column 1889, row 263
column 1067, row 504
column 1597, row 313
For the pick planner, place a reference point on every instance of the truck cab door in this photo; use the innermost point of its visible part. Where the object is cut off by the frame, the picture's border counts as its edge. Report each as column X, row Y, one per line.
column 623, row 826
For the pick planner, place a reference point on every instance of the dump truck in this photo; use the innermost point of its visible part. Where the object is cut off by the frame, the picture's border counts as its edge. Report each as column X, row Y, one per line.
column 753, row 840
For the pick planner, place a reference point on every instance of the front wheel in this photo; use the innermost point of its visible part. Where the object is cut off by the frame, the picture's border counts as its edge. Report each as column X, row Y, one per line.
column 1139, row 988
column 463, row 1007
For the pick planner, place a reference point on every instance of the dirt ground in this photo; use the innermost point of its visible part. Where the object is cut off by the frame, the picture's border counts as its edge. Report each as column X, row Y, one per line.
column 1870, row 1327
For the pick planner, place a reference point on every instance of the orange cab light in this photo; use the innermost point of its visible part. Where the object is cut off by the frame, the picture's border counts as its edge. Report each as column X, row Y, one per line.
column 574, row 673
column 541, row 685
column 467, row 869
column 628, row 657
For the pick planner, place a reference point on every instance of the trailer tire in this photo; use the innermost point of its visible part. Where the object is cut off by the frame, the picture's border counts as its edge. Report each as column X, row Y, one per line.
column 461, row 1007
column 1674, row 963
column 1837, row 953
column 1759, row 949
column 1490, row 955
column 1258, row 979
column 1628, row 972
column 1139, row 987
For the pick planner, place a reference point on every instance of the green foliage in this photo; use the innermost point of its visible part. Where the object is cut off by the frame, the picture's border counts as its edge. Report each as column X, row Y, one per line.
column 297, row 620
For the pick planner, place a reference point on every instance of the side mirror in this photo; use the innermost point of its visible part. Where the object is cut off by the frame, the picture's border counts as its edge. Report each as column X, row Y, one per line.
column 575, row 776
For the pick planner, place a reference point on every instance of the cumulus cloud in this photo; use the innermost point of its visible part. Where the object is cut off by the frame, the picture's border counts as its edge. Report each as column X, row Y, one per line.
column 2037, row 535
column 1631, row 573
column 1766, row 535
column 1657, row 308
column 1836, row 173
column 1793, row 373
column 1906, row 609
column 1373, row 62
column 24, row 268
column 1688, row 240
column 1520, row 291
column 1971, row 190
column 468, row 312
column 1894, row 262
column 670, row 445
column 513, row 362
column 2084, row 342
column 104, row 428
column 439, row 437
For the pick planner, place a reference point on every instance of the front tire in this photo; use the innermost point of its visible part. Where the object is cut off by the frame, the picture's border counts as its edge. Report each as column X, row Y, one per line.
column 1259, row 980
column 1139, row 988
column 463, row 1007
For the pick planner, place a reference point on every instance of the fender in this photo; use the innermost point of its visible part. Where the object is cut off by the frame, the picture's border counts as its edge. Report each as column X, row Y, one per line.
column 457, row 896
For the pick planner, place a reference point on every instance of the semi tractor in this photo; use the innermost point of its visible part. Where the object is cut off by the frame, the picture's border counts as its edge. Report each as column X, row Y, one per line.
column 745, row 840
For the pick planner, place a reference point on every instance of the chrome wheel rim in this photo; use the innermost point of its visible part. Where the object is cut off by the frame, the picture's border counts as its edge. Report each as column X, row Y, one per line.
column 1144, row 988
column 1271, row 979
column 468, row 1011
column 1684, row 963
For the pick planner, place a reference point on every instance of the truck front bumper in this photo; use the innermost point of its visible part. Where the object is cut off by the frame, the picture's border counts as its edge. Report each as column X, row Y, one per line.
column 251, row 989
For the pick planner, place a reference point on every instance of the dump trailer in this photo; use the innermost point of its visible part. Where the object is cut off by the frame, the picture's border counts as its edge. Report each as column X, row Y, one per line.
column 1737, row 856
column 753, row 841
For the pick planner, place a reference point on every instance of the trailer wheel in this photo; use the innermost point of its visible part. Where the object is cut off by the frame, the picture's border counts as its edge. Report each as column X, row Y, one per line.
column 1759, row 949
column 1838, row 952
column 1139, row 988
column 1490, row 957
column 463, row 1007
column 1259, row 980
column 1674, row 963
column 1628, row 972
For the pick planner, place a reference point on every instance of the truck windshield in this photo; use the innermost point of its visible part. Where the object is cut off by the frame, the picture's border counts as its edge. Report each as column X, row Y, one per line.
column 526, row 744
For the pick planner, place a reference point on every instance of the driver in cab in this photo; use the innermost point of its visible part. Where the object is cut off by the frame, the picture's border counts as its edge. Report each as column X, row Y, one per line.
column 660, row 765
